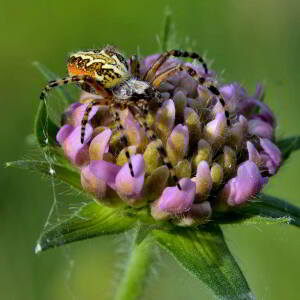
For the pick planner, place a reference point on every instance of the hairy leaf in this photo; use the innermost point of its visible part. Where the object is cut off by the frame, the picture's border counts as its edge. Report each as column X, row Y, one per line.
column 203, row 252
column 89, row 221
column 263, row 210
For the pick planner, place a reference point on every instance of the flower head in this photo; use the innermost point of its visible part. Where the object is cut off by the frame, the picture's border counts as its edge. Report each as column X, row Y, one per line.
column 209, row 153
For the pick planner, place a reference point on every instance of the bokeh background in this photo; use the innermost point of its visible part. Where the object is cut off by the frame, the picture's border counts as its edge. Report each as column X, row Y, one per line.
column 251, row 41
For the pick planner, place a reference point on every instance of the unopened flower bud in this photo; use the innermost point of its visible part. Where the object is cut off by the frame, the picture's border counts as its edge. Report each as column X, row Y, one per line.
column 204, row 152
column 165, row 118
column 217, row 175
column 177, row 144
column 214, row 131
column 203, row 181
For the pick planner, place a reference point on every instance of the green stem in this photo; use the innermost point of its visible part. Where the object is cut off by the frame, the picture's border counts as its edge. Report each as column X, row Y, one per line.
column 137, row 270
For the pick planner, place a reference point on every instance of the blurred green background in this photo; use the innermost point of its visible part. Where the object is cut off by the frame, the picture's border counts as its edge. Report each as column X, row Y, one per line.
column 251, row 41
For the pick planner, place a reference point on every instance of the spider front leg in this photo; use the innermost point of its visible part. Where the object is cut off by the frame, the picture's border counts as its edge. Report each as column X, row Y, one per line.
column 88, row 109
column 87, row 83
column 150, row 74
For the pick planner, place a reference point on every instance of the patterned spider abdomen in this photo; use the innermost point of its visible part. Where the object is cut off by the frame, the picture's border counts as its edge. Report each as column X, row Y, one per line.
column 106, row 66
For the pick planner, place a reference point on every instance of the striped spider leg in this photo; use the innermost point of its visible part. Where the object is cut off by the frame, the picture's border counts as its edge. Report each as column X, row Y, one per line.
column 140, row 111
column 150, row 74
column 158, row 79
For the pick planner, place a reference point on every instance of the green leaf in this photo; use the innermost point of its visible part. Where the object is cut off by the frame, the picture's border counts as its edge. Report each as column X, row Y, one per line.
column 167, row 39
column 288, row 145
column 62, row 93
column 203, row 252
column 166, row 31
column 89, row 221
column 60, row 172
column 263, row 210
column 45, row 129
column 273, row 207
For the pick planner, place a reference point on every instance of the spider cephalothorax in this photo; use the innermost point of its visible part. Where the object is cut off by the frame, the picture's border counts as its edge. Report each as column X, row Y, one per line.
column 106, row 72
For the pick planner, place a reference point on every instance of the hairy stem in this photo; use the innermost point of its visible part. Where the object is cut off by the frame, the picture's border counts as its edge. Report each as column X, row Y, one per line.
column 137, row 270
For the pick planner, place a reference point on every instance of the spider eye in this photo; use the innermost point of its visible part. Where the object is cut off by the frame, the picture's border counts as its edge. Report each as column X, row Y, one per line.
column 122, row 60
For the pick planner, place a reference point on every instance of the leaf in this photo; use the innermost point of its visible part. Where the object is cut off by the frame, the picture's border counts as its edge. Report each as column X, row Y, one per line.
column 288, row 145
column 45, row 129
column 62, row 93
column 273, row 207
column 263, row 210
column 203, row 252
column 166, row 31
column 167, row 40
column 61, row 172
column 89, row 221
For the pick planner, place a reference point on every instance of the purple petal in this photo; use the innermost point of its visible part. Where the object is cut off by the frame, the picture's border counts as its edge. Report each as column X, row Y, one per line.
column 105, row 171
column 233, row 90
column 63, row 133
column 91, row 183
column 245, row 185
column 273, row 158
column 128, row 186
column 260, row 128
column 247, row 107
column 78, row 113
column 178, row 201
column 74, row 150
column 254, row 154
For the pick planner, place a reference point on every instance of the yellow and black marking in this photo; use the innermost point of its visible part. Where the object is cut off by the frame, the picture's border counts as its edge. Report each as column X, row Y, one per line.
column 82, row 80
column 107, row 66
column 124, row 140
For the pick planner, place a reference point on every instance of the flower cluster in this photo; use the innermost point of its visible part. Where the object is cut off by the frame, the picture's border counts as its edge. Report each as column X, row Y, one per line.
column 219, row 165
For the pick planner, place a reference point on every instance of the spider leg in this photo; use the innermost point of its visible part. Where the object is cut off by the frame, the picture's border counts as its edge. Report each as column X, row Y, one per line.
column 200, row 79
column 153, row 137
column 79, row 79
column 135, row 66
column 123, row 139
column 150, row 74
column 86, row 114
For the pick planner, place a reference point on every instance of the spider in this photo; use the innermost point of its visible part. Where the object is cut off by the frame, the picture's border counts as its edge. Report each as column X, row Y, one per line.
column 105, row 72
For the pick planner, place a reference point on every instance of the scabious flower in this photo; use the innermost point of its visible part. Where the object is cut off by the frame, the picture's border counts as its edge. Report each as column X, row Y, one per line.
column 221, row 162
column 207, row 166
